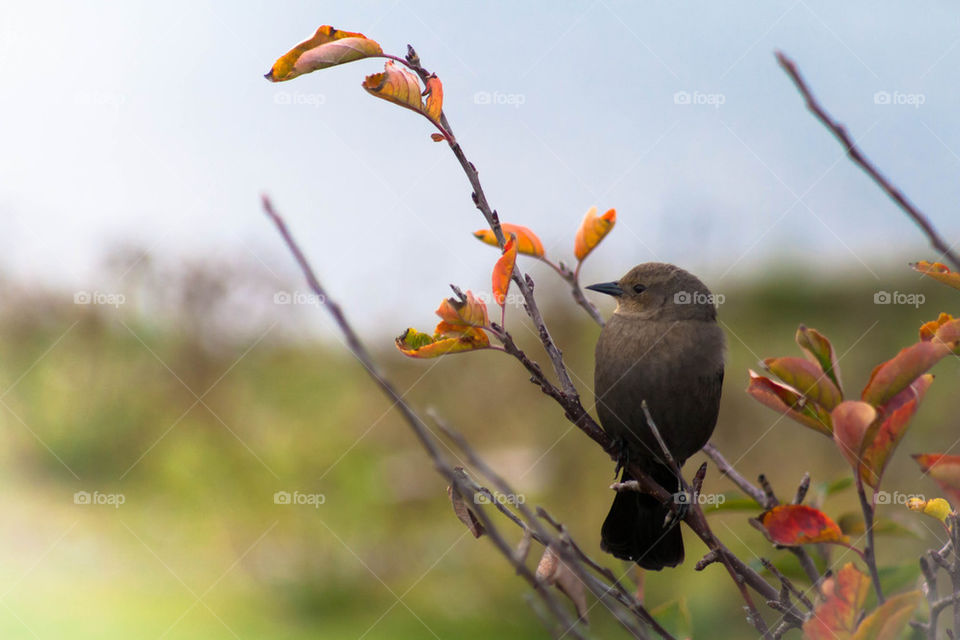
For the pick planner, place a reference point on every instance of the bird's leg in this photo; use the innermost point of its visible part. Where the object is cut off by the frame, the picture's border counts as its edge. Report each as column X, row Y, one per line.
column 623, row 455
column 681, row 505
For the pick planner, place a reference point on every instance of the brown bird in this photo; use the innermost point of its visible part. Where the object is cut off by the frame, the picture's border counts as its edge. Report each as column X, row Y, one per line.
column 662, row 345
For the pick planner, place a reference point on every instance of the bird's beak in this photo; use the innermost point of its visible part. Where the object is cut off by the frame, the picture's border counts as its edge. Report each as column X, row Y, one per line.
column 609, row 288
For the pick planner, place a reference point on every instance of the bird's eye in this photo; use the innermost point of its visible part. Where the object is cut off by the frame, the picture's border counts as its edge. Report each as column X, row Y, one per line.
column 639, row 288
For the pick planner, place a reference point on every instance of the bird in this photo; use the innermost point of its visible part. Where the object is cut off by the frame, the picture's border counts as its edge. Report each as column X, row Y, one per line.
column 662, row 345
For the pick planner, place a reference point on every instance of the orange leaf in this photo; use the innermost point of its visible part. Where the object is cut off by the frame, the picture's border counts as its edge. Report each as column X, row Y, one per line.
column 938, row 271
column 327, row 48
column 503, row 271
column 397, row 85
column 791, row 525
column 893, row 376
column 879, row 446
column 592, row 230
column 843, row 595
column 421, row 345
column 461, row 313
column 437, row 137
column 527, row 241
column 820, row 352
column 929, row 329
column 945, row 470
column 434, row 93
column 807, row 378
column 788, row 401
column 851, row 419
column 888, row 621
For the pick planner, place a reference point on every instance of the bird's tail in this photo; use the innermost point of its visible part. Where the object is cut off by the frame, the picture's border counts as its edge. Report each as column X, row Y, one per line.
column 634, row 528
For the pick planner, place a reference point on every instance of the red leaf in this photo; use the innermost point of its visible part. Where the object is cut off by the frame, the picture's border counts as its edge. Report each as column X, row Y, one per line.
column 851, row 419
column 820, row 352
column 843, row 595
column 785, row 400
column 893, row 376
column 880, row 445
column 807, row 378
column 791, row 525
column 945, row 470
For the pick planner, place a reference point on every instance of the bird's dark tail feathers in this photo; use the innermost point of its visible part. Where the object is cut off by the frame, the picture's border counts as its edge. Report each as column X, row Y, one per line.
column 634, row 528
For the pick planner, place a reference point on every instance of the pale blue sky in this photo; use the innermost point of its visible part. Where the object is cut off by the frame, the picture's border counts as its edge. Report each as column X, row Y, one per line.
column 152, row 123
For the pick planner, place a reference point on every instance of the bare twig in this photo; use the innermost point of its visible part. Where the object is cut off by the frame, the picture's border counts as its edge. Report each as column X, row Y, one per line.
column 419, row 427
column 570, row 552
column 840, row 133
column 767, row 500
column 727, row 469
column 572, row 278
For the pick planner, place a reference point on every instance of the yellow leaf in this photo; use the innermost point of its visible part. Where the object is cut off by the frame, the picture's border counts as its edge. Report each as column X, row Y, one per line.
column 527, row 241
column 592, row 230
column 327, row 48
column 936, row 507
column 421, row 345
column 889, row 620
column 938, row 271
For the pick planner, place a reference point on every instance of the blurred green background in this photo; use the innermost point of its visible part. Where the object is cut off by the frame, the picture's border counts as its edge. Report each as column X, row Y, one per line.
column 199, row 413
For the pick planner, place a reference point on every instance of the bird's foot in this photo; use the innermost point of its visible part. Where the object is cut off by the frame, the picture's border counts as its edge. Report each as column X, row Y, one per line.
column 623, row 455
column 678, row 511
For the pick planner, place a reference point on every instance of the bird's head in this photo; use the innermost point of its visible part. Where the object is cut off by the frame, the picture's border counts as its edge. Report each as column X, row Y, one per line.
column 658, row 290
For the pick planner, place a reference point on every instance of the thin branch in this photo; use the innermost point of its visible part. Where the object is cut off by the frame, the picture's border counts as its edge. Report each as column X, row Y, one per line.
column 869, row 551
column 572, row 278
column 840, row 133
column 763, row 498
column 571, row 553
column 417, row 424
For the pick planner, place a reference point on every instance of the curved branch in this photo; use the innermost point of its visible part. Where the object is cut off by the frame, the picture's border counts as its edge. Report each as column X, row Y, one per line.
column 840, row 133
